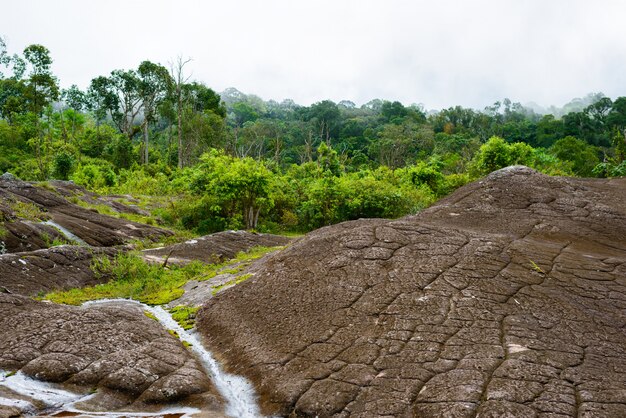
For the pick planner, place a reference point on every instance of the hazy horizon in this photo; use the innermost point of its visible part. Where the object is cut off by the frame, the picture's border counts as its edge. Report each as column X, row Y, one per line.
column 438, row 54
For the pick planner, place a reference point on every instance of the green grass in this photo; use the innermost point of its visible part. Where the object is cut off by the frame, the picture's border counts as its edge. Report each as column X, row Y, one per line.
column 26, row 210
column 47, row 186
column 150, row 315
column 131, row 277
column 536, row 267
column 107, row 210
column 56, row 241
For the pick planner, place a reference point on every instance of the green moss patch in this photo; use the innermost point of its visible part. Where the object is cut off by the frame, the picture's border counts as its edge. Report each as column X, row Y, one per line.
column 184, row 315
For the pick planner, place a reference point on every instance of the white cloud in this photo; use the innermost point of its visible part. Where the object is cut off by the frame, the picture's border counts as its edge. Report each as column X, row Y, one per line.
column 440, row 53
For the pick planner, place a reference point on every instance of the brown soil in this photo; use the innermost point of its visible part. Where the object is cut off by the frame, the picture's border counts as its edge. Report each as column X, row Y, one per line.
column 508, row 298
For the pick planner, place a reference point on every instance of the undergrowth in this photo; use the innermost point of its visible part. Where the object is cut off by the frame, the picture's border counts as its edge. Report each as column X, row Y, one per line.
column 108, row 210
column 26, row 210
column 131, row 277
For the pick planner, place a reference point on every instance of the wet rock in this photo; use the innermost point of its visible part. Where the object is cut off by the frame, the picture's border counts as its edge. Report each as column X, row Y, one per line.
column 24, row 231
column 116, row 348
column 506, row 298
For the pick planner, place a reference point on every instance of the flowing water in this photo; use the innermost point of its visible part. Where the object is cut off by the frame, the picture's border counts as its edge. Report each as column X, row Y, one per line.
column 32, row 394
column 237, row 391
column 68, row 234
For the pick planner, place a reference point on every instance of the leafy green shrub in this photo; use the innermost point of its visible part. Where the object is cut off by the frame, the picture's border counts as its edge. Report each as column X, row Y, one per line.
column 496, row 154
column 63, row 164
column 583, row 157
column 96, row 174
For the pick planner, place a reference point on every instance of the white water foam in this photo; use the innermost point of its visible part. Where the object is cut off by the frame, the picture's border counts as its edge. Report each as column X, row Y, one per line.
column 58, row 399
column 43, row 392
column 236, row 390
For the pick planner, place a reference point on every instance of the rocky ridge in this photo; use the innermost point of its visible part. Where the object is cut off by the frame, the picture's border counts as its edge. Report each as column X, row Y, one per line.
column 508, row 298
column 24, row 207
column 129, row 360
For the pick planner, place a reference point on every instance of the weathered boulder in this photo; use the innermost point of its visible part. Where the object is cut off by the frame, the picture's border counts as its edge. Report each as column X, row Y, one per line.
column 115, row 348
column 508, row 298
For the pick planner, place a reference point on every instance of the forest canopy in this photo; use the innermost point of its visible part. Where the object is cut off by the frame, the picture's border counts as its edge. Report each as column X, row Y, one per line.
column 214, row 161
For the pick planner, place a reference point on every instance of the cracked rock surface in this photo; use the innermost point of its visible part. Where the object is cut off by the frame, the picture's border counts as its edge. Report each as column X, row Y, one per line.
column 116, row 348
column 63, row 267
column 507, row 298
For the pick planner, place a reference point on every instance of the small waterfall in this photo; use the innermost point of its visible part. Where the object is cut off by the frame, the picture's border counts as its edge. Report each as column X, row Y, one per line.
column 66, row 233
column 54, row 399
column 236, row 390
column 37, row 391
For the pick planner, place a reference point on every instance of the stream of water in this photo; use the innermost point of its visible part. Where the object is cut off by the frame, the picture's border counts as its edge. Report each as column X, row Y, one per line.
column 37, row 392
column 68, row 234
column 31, row 394
column 237, row 391
column 36, row 396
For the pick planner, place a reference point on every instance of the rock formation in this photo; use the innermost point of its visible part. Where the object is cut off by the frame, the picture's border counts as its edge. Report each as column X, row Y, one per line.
column 42, row 271
column 23, row 207
column 507, row 298
column 128, row 356
column 214, row 247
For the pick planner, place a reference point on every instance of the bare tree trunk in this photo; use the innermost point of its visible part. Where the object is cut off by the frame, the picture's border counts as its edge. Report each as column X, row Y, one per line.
column 145, row 141
column 179, row 109
column 169, row 145
column 176, row 70
column 256, row 218
column 309, row 148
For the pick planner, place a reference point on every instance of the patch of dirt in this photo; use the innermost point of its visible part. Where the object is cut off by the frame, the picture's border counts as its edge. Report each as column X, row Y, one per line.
column 507, row 298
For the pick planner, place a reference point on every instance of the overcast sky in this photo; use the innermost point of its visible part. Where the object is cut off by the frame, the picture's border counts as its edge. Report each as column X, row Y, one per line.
column 438, row 52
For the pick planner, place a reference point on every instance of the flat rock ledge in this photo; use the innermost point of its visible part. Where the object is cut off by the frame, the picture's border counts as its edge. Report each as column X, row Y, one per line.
column 214, row 248
column 506, row 299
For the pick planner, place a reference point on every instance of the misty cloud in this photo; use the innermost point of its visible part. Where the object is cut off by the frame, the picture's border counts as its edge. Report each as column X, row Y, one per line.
column 439, row 53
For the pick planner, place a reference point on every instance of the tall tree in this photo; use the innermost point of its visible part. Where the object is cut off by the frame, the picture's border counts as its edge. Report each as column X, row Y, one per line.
column 179, row 80
column 119, row 95
column 42, row 87
column 153, row 86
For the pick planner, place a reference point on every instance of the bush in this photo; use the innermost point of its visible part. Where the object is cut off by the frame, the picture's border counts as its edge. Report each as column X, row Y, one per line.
column 95, row 175
column 63, row 165
column 496, row 154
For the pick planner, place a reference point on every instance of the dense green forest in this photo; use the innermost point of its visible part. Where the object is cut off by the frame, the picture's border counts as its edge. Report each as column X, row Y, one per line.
column 205, row 162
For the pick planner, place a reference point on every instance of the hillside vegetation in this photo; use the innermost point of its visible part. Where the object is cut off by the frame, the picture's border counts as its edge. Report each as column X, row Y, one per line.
column 205, row 162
